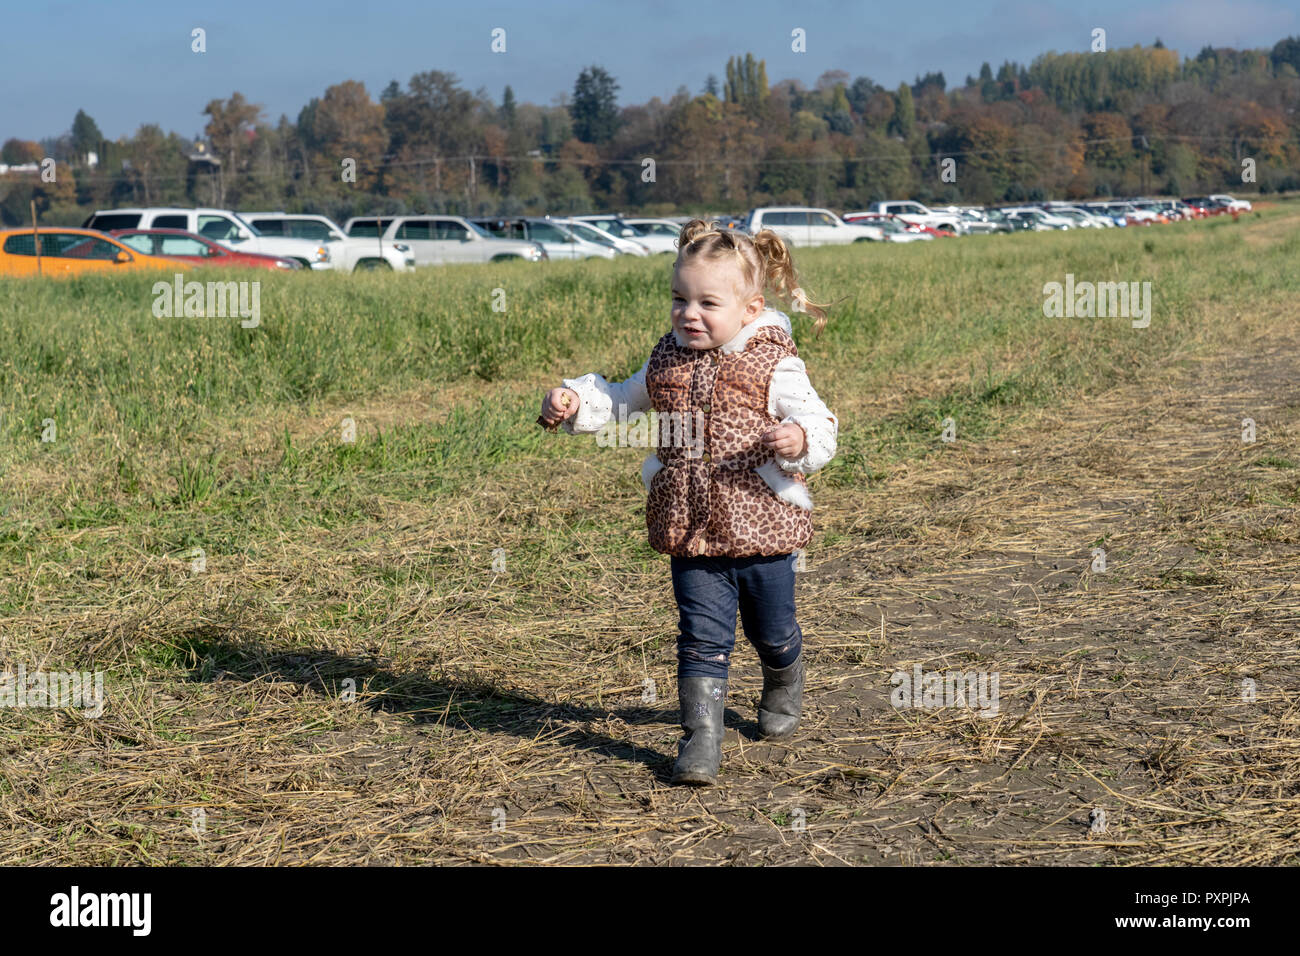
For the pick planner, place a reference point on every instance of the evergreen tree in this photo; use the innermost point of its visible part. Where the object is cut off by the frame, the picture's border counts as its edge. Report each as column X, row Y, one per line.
column 86, row 136
column 1286, row 51
column 904, row 120
column 594, row 108
column 508, row 108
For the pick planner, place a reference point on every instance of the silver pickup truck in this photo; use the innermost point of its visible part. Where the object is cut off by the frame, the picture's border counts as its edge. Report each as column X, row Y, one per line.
column 347, row 253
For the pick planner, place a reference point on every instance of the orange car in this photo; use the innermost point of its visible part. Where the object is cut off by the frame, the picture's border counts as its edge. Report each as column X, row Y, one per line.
column 67, row 252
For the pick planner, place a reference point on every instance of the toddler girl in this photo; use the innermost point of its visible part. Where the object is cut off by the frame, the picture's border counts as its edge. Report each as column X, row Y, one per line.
column 726, row 495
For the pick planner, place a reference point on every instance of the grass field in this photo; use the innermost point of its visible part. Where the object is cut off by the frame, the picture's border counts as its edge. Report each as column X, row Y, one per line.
column 514, row 697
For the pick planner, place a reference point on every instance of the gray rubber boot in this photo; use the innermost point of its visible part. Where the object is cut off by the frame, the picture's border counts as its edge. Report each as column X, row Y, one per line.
column 699, row 754
column 782, row 702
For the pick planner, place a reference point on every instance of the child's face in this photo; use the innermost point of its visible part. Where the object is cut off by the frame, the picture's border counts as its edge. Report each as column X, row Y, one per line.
column 707, row 307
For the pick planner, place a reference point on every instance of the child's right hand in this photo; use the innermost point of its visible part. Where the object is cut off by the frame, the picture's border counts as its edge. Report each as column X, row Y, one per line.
column 559, row 404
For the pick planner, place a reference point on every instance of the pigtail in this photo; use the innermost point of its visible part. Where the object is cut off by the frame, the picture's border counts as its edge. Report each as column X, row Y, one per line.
column 778, row 267
column 693, row 230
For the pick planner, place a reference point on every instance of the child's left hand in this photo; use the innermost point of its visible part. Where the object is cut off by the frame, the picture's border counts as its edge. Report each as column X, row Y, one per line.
column 788, row 441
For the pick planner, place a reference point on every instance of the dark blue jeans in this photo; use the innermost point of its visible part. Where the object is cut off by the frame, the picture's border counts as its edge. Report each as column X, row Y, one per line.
column 708, row 592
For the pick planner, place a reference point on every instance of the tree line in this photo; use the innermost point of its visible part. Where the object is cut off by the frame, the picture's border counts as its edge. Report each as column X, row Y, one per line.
column 1068, row 125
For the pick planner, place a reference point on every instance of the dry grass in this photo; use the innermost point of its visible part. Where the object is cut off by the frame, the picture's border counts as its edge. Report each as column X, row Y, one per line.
column 520, row 692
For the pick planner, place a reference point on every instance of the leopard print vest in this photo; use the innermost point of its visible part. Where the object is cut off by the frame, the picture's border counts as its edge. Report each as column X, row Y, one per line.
column 707, row 499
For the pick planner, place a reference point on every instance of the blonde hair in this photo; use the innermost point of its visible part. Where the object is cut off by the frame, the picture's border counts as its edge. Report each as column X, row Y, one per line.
column 764, row 261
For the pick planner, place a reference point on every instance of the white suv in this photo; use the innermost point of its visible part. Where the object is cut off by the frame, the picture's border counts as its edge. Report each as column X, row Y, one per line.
column 220, row 225
column 445, row 240
column 808, row 226
column 347, row 254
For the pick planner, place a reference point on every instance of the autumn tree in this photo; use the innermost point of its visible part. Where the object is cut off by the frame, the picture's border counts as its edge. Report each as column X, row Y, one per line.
column 230, row 128
column 428, row 125
column 157, row 166
column 1109, row 139
column 345, row 124
column 19, row 152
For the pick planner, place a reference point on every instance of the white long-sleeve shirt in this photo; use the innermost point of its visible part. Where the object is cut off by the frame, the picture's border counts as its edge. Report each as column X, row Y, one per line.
column 791, row 399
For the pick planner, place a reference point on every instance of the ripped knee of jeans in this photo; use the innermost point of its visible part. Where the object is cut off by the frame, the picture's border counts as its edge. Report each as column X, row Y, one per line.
column 793, row 641
column 695, row 655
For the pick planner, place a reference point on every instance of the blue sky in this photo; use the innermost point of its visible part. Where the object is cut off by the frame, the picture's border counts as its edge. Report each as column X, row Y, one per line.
column 130, row 62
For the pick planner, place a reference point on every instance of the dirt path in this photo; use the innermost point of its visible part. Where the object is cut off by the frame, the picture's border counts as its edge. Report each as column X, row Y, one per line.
column 1124, row 690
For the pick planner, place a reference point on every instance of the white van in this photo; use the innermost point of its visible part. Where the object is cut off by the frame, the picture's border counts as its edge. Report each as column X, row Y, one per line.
column 223, row 226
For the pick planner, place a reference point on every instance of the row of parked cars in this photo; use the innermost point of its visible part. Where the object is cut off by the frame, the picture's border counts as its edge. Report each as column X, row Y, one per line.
column 1100, row 215
column 149, row 237
column 910, row 221
column 156, row 237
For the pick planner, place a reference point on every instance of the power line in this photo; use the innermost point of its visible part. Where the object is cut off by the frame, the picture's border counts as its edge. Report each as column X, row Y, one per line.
column 319, row 167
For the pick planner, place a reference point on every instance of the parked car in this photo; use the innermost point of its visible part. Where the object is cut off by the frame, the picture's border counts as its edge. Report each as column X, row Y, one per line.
column 1202, row 206
column 890, row 228
column 884, row 227
column 1206, row 206
column 1148, row 212
column 1014, row 222
column 724, row 222
column 69, row 252
column 916, row 214
column 1230, row 204
column 1117, row 213
column 221, row 225
column 347, row 253
column 624, row 236
column 445, row 240
column 559, row 241
column 1041, row 220
column 593, row 233
column 660, row 235
column 1175, row 210
column 198, row 250
column 976, row 222
column 617, row 227
column 808, row 226
column 1081, row 218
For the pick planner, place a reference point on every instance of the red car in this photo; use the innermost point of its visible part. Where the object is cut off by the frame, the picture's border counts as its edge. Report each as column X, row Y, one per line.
column 1204, row 206
column 200, row 250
